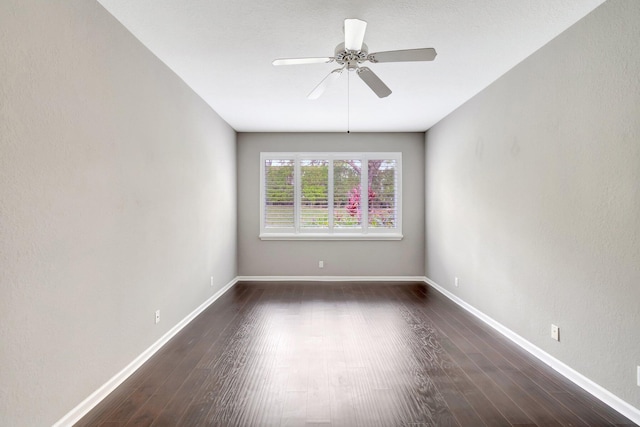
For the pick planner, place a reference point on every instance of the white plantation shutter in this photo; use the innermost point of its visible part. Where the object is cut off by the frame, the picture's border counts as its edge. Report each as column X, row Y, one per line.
column 346, row 193
column 279, row 201
column 383, row 205
column 314, row 193
column 343, row 196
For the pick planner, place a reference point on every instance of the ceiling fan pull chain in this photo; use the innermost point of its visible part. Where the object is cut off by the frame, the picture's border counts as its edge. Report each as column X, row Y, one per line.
column 348, row 102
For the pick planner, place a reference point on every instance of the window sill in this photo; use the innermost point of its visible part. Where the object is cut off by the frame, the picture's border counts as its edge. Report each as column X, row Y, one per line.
column 335, row 236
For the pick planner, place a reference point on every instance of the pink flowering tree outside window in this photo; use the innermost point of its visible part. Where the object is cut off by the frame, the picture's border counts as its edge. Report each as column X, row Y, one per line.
column 381, row 195
column 354, row 202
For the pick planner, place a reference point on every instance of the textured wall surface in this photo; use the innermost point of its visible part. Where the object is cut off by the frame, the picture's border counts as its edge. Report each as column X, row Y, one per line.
column 117, row 198
column 533, row 198
column 342, row 258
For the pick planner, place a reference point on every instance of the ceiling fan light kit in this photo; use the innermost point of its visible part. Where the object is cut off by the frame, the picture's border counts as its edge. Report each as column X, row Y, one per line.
column 352, row 53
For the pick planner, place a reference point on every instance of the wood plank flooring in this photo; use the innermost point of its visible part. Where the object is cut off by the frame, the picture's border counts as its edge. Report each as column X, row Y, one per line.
column 344, row 354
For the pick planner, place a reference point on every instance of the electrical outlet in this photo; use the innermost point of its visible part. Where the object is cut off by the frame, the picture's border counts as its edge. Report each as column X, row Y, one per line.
column 211, row 280
column 457, row 282
column 157, row 316
column 320, row 264
column 638, row 375
column 555, row 332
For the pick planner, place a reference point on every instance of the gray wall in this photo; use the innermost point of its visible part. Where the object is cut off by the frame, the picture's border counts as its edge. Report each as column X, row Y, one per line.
column 342, row 258
column 117, row 198
column 533, row 198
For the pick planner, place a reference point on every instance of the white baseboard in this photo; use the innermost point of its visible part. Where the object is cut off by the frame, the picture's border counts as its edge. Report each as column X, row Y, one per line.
column 90, row 402
column 331, row 278
column 572, row 375
column 596, row 390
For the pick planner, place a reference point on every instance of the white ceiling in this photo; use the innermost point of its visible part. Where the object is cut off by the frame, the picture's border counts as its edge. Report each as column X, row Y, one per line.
column 223, row 50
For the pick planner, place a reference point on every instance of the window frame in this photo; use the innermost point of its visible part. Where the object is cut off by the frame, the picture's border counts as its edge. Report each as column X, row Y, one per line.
column 364, row 231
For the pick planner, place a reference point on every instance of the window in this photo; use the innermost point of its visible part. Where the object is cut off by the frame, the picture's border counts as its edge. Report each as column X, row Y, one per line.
column 342, row 196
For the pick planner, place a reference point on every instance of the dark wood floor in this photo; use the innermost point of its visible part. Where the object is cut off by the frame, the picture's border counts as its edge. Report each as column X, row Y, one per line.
column 347, row 354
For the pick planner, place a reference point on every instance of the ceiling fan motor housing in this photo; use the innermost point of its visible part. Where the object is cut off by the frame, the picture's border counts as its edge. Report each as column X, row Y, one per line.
column 351, row 58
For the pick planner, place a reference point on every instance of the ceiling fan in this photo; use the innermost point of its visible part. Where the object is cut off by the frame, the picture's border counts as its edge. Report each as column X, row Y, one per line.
column 354, row 52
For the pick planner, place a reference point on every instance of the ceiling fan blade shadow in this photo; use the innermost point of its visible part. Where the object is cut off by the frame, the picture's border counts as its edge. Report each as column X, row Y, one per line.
column 425, row 54
column 301, row 61
column 374, row 82
column 354, row 30
column 322, row 86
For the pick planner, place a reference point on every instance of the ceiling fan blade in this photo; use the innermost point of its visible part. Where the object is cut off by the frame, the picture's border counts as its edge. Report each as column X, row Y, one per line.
column 425, row 54
column 374, row 82
column 319, row 90
column 299, row 61
column 354, row 33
